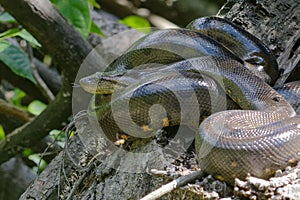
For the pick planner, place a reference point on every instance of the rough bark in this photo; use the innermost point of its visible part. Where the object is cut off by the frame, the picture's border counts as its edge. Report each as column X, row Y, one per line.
column 276, row 23
column 266, row 19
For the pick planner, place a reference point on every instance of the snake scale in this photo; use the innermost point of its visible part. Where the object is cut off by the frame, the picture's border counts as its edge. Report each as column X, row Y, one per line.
column 213, row 68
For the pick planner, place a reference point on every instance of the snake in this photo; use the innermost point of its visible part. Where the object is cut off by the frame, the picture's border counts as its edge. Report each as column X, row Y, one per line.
column 256, row 131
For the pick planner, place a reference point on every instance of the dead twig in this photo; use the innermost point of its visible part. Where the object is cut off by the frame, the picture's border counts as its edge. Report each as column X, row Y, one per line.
column 181, row 181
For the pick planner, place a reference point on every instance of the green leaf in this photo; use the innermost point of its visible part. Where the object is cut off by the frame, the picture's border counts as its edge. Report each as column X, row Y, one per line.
column 58, row 136
column 94, row 4
column 36, row 107
column 38, row 161
column 9, row 33
column 77, row 12
column 6, row 17
column 2, row 133
column 4, row 45
column 27, row 152
column 21, row 33
column 16, row 60
column 96, row 29
column 137, row 22
column 17, row 98
column 29, row 38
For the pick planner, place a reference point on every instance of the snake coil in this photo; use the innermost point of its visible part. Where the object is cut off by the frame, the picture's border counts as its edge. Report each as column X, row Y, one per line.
column 261, row 138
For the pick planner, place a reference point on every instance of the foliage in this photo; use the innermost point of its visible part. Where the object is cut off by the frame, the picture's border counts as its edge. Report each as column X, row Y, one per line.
column 137, row 22
column 21, row 33
column 17, row 98
column 40, row 163
column 36, row 107
column 95, row 29
column 58, row 137
column 16, row 60
column 36, row 159
column 2, row 133
column 6, row 17
column 77, row 12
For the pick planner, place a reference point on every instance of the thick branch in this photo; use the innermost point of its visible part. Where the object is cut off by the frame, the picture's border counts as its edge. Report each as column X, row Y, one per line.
column 67, row 47
column 50, row 76
column 32, row 132
column 12, row 116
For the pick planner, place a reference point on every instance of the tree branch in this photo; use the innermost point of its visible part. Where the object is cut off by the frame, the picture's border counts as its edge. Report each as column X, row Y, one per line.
column 12, row 116
column 50, row 75
column 167, row 188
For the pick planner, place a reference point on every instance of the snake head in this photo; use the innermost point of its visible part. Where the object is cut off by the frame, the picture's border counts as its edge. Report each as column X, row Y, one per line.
column 105, row 82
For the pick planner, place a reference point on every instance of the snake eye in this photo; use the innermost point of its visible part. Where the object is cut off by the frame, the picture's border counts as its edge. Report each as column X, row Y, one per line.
column 276, row 99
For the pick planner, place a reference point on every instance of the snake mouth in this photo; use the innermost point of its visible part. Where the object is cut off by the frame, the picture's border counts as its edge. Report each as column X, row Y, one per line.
column 105, row 82
column 102, row 86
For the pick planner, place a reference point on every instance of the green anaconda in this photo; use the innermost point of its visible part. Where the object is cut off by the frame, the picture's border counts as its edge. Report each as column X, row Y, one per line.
column 184, row 75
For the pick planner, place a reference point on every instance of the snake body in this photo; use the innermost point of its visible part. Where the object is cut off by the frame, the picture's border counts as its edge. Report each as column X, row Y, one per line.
column 160, row 47
column 258, row 140
column 240, row 42
column 291, row 92
column 174, row 93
